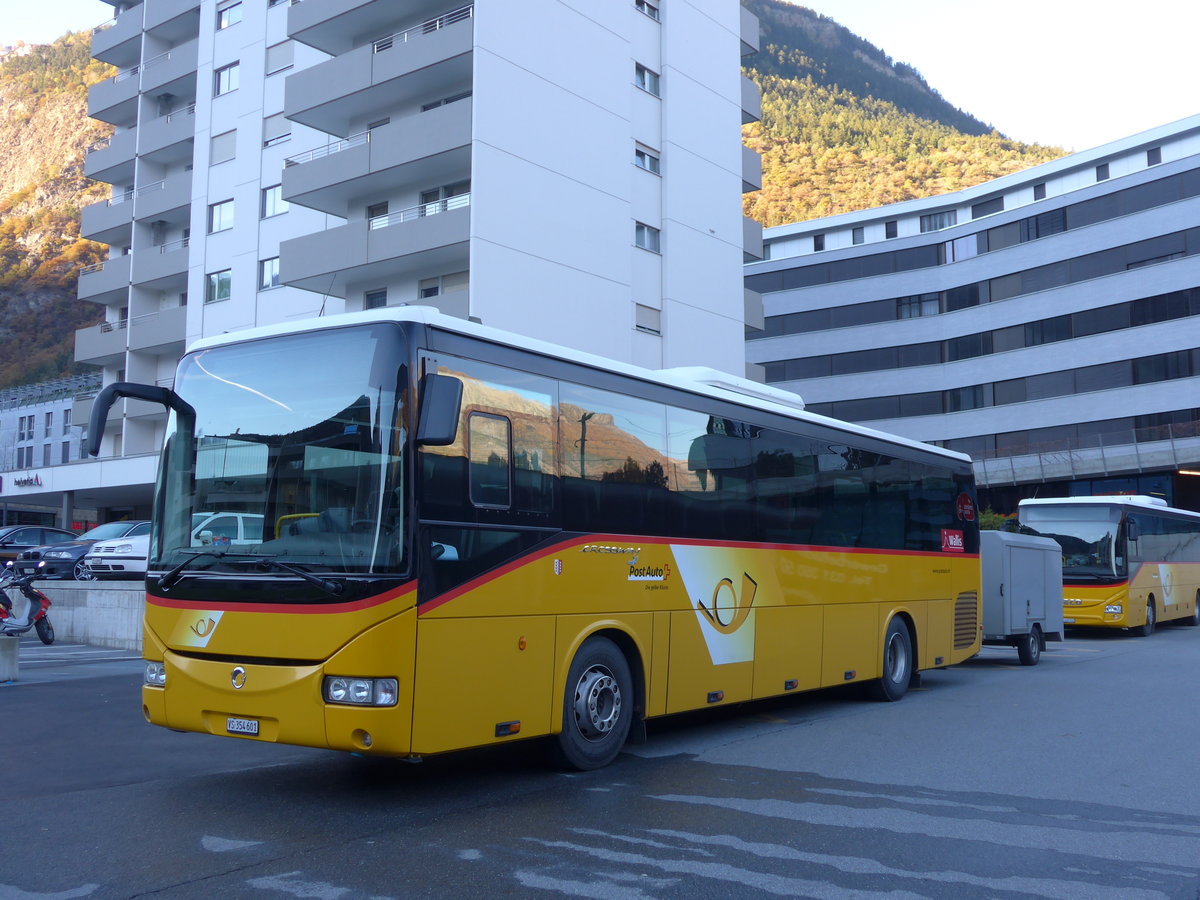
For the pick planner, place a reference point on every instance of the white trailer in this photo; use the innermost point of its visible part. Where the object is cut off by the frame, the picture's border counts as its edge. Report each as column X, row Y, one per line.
column 1022, row 592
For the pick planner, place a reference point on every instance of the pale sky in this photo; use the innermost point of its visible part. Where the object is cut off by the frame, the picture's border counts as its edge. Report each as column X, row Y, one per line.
column 1072, row 73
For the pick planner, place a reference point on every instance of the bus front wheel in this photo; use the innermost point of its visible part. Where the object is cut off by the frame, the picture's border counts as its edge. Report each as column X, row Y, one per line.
column 897, row 663
column 1194, row 618
column 1148, row 628
column 597, row 706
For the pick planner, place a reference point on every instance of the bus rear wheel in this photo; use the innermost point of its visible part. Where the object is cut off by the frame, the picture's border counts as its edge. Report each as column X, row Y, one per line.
column 897, row 663
column 1194, row 618
column 597, row 706
column 1147, row 629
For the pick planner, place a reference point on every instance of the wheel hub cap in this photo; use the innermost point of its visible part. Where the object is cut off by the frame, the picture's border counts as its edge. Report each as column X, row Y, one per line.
column 597, row 703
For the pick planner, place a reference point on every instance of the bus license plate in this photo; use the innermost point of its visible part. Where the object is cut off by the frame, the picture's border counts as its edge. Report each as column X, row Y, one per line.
column 241, row 726
column 1068, row 621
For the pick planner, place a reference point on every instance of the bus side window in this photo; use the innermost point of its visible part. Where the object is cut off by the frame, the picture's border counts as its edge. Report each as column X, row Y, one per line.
column 489, row 447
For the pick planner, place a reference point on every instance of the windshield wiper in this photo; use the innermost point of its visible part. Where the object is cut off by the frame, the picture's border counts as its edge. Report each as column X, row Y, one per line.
column 326, row 584
column 169, row 579
column 175, row 575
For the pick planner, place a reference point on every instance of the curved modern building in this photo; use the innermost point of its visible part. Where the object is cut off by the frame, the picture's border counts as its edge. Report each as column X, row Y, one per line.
column 1046, row 322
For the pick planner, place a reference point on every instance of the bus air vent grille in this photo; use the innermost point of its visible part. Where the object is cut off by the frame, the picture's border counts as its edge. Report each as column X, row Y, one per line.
column 966, row 619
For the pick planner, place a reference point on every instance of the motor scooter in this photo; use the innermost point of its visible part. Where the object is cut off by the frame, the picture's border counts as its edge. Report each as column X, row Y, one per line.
column 37, row 605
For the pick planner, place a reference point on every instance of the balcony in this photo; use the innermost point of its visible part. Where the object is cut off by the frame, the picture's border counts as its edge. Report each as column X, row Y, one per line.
column 108, row 221
column 169, row 200
column 429, row 237
column 173, row 72
column 159, row 332
column 173, row 20
column 433, row 147
column 161, row 268
column 752, row 242
column 169, row 139
column 751, row 102
column 337, row 26
column 751, row 31
column 111, row 160
column 751, row 170
column 408, row 65
column 101, row 345
column 114, row 100
column 105, row 282
column 118, row 41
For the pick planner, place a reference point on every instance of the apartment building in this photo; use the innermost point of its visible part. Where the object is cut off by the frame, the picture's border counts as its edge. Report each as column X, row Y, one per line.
column 1045, row 322
column 564, row 169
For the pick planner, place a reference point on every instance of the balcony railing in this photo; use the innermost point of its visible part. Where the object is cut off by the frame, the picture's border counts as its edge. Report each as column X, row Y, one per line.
column 355, row 140
column 418, row 212
column 189, row 110
column 109, row 327
column 125, row 73
column 171, row 246
column 94, row 267
column 403, row 37
column 103, row 26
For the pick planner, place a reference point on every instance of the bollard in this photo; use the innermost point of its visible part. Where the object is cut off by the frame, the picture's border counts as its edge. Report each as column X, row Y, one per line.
column 8, row 658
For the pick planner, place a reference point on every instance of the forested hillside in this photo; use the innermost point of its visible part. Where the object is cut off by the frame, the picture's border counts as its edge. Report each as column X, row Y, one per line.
column 845, row 128
column 44, row 131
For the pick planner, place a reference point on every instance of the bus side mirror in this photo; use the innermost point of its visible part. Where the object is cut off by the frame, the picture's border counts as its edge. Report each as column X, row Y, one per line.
column 1131, row 529
column 441, row 400
column 111, row 393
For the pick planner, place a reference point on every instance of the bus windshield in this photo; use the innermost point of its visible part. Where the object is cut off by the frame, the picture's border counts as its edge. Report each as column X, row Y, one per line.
column 296, row 456
column 1088, row 537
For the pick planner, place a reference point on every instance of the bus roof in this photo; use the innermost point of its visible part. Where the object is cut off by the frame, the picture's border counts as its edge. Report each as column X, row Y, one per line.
column 698, row 380
column 1136, row 501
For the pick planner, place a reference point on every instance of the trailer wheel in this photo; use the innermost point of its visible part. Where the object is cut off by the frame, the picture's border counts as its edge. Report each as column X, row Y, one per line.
column 1029, row 646
column 597, row 708
column 897, row 663
column 1148, row 628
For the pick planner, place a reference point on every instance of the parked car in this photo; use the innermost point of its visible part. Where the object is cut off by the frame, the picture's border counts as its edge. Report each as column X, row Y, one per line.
column 123, row 558
column 16, row 539
column 64, row 559
column 126, row 558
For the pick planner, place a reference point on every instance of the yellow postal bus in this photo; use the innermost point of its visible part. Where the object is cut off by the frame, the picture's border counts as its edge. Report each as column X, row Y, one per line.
column 466, row 537
column 1128, row 562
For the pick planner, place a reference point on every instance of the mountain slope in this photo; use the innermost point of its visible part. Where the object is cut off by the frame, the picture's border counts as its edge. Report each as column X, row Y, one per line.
column 845, row 128
column 45, row 131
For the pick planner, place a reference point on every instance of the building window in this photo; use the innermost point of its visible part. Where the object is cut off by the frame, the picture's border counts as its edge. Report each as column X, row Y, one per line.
column 375, row 299
column 66, row 420
column 646, row 79
column 916, row 306
column 218, row 286
column 280, row 57
column 225, row 79
column 229, row 13
column 818, row 243
column 268, row 273
column 646, row 237
column 1154, row 156
column 1102, row 172
column 45, row 454
column 891, row 229
column 220, row 216
column 647, row 319
column 49, row 424
column 222, row 147
column 377, row 215
column 434, row 104
column 647, row 8
column 66, row 451
column 987, row 207
column 938, row 221
column 276, row 130
column 272, row 203
column 1039, row 191
column 856, row 236
column 646, row 159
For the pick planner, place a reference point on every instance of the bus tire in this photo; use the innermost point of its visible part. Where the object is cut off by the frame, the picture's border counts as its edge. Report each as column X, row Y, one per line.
column 897, row 663
column 1147, row 629
column 1029, row 646
column 1194, row 618
column 597, row 706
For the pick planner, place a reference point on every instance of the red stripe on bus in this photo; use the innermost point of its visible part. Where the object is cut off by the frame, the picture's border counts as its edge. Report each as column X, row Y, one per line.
column 322, row 609
column 505, row 569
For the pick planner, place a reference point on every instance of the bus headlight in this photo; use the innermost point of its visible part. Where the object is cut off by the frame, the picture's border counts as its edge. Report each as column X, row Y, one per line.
column 156, row 674
column 353, row 691
column 1114, row 609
